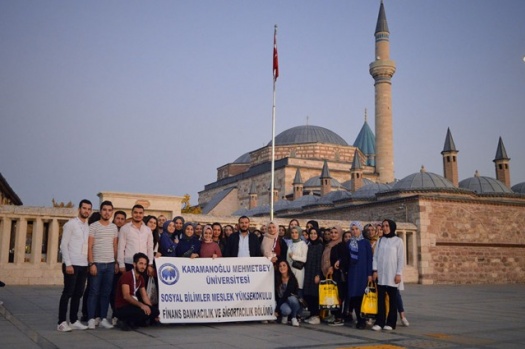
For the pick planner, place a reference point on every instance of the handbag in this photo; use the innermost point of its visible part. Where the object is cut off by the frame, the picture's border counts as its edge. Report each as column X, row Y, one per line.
column 151, row 290
column 369, row 303
column 328, row 295
column 298, row 265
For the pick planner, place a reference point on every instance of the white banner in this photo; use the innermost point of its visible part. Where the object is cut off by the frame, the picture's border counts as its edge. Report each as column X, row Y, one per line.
column 215, row 290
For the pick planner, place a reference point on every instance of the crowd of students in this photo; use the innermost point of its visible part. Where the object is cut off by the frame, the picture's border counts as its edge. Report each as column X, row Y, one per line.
column 117, row 259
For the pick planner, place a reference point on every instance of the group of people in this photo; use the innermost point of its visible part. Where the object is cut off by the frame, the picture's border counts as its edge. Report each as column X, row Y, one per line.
column 117, row 258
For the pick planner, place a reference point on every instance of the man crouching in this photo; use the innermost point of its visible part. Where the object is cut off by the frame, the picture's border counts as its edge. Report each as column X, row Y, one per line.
column 130, row 311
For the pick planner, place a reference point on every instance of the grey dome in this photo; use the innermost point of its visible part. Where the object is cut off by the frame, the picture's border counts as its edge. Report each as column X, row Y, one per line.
column 243, row 159
column 423, row 180
column 484, row 185
column 333, row 196
column 315, row 182
column 519, row 188
column 370, row 190
column 303, row 201
column 348, row 183
column 308, row 134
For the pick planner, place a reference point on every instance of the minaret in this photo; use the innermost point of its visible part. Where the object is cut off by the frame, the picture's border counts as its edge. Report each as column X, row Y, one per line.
column 382, row 70
column 297, row 185
column 326, row 180
column 356, row 172
column 502, row 164
column 253, row 196
column 450, row 164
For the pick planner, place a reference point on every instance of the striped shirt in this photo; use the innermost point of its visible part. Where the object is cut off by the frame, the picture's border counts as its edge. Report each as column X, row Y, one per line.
column 104, row 235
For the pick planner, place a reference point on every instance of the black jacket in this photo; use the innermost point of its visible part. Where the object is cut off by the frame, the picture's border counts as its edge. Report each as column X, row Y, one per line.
column 232, row 247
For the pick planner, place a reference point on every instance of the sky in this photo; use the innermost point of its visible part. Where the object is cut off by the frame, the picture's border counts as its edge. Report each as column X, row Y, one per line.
column 154, row 96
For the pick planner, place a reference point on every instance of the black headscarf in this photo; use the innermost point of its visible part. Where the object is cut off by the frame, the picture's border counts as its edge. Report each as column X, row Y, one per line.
column 393, row 227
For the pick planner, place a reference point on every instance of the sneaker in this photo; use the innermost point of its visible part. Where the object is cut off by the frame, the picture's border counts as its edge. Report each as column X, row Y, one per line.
column 105, row 323
column 63, row 327
column 405, row 322
column 91, row 324
column 376, row 328
column 284, row 320
column 78, row 326
column 329, row 319
column 114, row 321
column 314, row 320
column 388, row 328
column 295, row 322
column 97, row 321
column 336, row 323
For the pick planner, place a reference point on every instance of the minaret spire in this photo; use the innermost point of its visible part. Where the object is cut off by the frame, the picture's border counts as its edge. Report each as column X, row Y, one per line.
column 382, row 70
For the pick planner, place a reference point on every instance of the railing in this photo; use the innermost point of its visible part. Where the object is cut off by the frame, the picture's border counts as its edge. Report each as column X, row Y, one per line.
column 30, row 239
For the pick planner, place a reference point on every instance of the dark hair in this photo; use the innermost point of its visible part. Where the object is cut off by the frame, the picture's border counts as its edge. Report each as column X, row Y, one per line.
column 140, row 255
column 154, row 232
column 278, row 279
column 106, row 203
column 95, row 217
column 85, row 201
column 242, row 217
column 121, row 213
column 137, row 206
column 220, row 226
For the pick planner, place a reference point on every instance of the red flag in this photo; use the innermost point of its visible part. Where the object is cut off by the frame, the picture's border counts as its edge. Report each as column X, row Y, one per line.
column 275, row 57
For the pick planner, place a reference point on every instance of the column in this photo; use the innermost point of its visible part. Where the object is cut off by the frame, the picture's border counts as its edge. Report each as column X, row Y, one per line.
column 36, row 243
column 20, row 241
column 5, row 237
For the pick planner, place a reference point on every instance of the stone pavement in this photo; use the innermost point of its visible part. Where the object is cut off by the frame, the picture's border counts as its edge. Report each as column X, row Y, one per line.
column 441, row 316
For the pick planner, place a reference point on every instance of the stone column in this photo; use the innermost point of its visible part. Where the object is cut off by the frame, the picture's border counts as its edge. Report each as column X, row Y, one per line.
column 5, row 237
column 36, row 243
column 20, row 241
column 53, row 243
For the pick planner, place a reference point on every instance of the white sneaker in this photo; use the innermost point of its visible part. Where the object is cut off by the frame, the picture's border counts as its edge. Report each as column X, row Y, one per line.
column 91, row 324
column 78, row 326
column 388, row 328
column 105, row 323
column 376, row 328
column 284, row 320
column 114, row 321
column 314, row 320
column 295, row 323
column 405, row 322
column 63, row 327
column 97, row 321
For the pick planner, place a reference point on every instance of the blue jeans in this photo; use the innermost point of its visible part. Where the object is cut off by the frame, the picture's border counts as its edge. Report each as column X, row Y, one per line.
column 100, row 289
column 290, row 307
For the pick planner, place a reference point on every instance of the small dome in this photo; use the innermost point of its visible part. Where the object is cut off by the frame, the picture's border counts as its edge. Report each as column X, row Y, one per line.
column 243, row 159
column 308, row 134
column 315, row 182
column 370, row 190
column 303, row 201
column 483, row 185
column 348, row 184
column 519, row 188
column 423, row 180
column 333, row 196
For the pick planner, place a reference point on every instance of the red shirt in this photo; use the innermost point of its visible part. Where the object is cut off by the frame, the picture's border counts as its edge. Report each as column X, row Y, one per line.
column 127, row 279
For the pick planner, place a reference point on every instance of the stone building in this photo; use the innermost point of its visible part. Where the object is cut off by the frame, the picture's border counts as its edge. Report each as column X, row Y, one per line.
column 457, row 231
column 7, row 194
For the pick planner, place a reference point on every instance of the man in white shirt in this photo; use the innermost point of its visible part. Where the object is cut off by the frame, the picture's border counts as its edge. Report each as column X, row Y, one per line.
column 74, row 248
column 135, row 237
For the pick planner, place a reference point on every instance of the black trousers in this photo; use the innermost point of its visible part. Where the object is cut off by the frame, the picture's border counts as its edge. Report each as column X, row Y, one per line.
column 135, row 315
column 391, row 320
column 73, row 289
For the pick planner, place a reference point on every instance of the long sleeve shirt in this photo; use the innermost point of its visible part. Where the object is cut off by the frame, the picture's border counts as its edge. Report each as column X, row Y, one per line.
column 389, row 261
column 74, row 243
column 132, row 240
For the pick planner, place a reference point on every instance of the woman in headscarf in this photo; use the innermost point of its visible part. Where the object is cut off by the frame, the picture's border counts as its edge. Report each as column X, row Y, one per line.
column 313, row 274
column 339, row 267
column 297, row 252
column 179, row 224
column 273, row 246
column 359, row 271
column 189, row 245
column 166, row 244
column 209, row 248
column 326, row 265
column 388, row 263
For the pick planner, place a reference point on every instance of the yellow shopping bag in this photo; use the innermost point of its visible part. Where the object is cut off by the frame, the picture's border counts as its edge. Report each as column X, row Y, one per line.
column 369, row 304
column 328, row 295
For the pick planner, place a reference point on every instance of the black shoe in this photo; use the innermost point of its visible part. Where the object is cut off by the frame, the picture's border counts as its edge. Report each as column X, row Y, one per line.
column 123, row 325
column 2, row 284
column 361, row 325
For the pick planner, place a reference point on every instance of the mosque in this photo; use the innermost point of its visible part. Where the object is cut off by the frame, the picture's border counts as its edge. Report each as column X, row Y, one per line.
column 463, row 227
